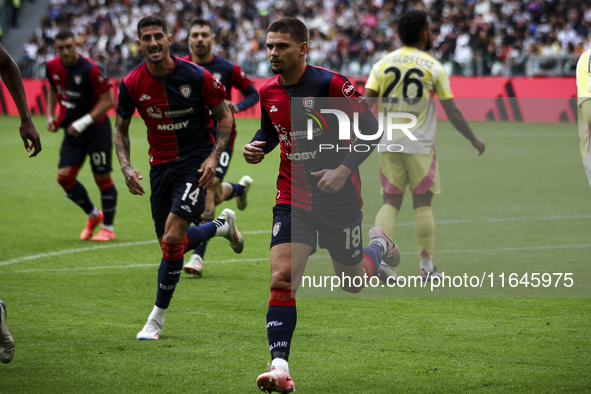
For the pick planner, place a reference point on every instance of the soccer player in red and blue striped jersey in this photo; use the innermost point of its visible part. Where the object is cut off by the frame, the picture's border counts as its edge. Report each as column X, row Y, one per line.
column 174, row 98
column 201, row 40
column 84, row 95
column 318, row 195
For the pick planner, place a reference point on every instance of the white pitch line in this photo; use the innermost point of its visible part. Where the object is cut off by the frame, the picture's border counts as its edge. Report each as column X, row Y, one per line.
column 76, row 250
column 266, row 258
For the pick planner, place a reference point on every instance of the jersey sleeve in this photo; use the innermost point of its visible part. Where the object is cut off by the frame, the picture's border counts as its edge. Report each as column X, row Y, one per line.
column 349, row 99
column 584, row 77
column 441, row 83
column 239, row 79
column 100, row 83
column 126, row 105
column 373, row 81
column 213, row 91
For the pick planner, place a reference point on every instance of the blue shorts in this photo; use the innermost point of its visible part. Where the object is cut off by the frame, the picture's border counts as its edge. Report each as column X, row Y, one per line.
column 96, row 142
column 339, row 233
column 175, row 189
column 224, row 163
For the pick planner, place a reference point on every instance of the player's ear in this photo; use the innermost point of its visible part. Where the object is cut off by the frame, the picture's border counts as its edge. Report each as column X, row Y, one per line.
column 138, row 43
column 169, row 39
column 303, row 48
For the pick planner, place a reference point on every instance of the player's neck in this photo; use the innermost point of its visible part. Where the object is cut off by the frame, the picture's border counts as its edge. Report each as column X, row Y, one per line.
column 161, row 69
column 202, row 59
column 420, row 46
column 292, row 77
column 74, row 62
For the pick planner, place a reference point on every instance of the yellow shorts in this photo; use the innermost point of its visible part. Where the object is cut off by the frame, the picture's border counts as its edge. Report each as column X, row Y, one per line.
column 419, row 172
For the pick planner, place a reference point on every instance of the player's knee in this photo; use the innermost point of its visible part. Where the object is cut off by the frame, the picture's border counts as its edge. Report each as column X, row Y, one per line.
column 104, row 183
column 67, row 182
column 281, row 279
column 217, row 193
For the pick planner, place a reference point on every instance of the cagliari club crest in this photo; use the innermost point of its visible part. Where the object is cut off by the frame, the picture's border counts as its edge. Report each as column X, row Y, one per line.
column 309, row 103
column 77, row 79
column 186, row 90
column 217, row 76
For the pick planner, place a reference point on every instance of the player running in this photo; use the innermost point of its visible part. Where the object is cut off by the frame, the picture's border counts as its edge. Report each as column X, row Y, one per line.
column 201, row 39
column 409, row 76
column 174, row 97
column 318, row 198
column 85, row 96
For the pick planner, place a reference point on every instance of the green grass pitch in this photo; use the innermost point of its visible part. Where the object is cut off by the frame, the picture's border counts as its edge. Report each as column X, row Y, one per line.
column 75, row 307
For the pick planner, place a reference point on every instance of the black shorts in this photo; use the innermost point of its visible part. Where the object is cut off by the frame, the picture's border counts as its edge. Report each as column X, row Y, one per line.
column 339, row 233
column 175, row 188
column 96, row 142
column 224, row 163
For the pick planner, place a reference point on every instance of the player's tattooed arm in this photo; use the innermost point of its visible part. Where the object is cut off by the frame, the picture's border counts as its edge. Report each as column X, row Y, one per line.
column 224, row 128
column 123, row 149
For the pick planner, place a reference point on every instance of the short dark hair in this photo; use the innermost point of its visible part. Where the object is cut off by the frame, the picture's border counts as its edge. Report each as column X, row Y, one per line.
column 201, row 22
column 411, row 25
column 295, row 27
column 152, row 20
column 64, row 35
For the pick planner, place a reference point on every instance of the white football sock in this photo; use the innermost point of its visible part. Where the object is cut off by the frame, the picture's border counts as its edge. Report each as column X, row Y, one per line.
column 427, row 264
column 281, row 363
column 94, row 213
column 108, row 227
column 158, row 315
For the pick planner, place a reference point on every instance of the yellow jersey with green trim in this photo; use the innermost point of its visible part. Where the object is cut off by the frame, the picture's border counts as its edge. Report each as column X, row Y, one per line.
column 583, row 93
column 406, row 81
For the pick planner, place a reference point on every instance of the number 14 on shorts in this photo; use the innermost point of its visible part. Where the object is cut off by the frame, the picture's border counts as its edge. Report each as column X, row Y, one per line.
column 193, row 196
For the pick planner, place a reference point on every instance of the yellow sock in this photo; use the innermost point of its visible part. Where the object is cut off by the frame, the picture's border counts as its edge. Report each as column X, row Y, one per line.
column 425, row 230
column 386, row 217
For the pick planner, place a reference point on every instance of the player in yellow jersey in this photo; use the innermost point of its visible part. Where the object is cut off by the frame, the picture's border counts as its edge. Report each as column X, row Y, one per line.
column 584, row 109
column 406, row 79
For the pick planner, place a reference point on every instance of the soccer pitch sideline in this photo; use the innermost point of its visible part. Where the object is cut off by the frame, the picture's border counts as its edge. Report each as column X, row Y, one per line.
column 75, row 307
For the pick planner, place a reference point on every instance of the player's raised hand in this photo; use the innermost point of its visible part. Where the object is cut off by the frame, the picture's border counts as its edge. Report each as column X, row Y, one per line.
column 331, row 181
column 29, row 133
column 478, row 144
column 207, row 171
column 253, row 152
column 132, row 180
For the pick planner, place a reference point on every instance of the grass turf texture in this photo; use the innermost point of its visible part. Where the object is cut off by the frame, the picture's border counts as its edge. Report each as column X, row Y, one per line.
column 75, row 308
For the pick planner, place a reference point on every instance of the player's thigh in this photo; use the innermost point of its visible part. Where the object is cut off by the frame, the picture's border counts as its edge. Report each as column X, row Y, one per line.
column 292, row 225
column 160, row 196
column 393, row 173
column 224, row 163
column 423, row 173
column 72, row 153
column 342, row 236
column 99, row 147
column 188, row 199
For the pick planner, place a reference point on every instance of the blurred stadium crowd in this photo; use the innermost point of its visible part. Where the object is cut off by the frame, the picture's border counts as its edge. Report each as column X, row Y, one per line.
column 470, row 37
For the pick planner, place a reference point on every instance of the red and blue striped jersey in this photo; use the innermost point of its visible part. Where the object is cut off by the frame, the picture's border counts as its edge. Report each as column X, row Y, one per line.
column 299, row 156
column 174, row 108
column 77, row 88
column 230, row 75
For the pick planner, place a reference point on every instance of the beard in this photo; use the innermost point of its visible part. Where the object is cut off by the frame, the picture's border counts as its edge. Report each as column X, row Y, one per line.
column 277, row 69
